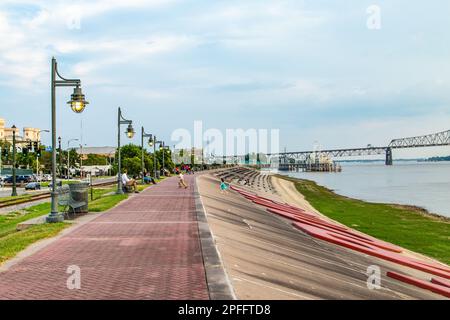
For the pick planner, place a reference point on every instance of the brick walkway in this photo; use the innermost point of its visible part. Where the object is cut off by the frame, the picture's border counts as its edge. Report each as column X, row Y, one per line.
column 146, row 248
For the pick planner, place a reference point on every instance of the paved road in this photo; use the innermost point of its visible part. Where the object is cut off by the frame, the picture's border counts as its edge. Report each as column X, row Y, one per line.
column 6, row 191
column 145, row 248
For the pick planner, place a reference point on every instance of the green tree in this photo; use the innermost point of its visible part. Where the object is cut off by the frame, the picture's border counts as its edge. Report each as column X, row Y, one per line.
column 25, row 160
column 131, row 160
column 45, row 161
column 5, row 146
column 96, row 159
column 168, row 163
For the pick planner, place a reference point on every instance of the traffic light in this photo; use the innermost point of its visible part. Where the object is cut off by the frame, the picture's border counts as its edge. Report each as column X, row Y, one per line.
column 36, row 146
column 30, row 145
column 5, row 152
column 25, row 151
column 38, row 152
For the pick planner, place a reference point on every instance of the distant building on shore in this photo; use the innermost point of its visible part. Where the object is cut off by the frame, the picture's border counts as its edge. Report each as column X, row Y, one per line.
column 31, row 134
column 100, row 151
column 188, row 155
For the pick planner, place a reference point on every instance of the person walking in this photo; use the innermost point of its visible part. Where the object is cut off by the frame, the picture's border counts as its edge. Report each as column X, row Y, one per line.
column 181, row 182
column 223, row 185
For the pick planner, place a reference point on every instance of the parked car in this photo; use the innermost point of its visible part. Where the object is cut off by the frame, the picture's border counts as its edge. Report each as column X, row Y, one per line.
column 33, row 186
column 19, row 179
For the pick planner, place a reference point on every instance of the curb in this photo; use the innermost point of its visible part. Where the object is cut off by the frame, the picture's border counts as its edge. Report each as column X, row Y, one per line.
column 219, row 285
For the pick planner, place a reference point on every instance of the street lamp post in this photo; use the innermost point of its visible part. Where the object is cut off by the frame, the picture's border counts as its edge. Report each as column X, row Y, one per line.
column 109, row 162
column 130, row 134
column 150, row 143
column 77, row 103
column 155, row 141
column 14, row 187
column 60, row 157
column 81, row 160
column 38, row 146
column 68, row 157
column 161, row 148
column 154, row 158
column 165, row 148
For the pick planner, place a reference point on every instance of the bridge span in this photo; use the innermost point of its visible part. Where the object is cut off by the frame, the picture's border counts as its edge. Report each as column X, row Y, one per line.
column 429, row 140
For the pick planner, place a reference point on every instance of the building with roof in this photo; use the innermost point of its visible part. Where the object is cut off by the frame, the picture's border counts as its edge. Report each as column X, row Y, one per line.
column 29, row 133
column 101, row 151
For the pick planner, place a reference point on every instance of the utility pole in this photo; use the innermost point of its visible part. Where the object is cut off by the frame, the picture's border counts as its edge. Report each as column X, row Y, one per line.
column 150, row 143
column 37, row 161
column 60, row 158
column 14, row 187
column 81, row 161
column 68, row 157
column 37, row 148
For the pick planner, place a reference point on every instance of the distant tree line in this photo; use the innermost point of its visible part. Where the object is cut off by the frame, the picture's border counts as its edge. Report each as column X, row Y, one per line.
column 434, row 159
column 131, row 159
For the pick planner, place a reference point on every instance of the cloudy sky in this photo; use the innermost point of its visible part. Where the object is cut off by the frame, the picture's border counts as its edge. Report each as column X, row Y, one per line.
column 312, row 69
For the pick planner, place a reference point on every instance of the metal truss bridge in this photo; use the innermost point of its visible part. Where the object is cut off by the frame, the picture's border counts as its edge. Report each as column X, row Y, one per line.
column 429, row 140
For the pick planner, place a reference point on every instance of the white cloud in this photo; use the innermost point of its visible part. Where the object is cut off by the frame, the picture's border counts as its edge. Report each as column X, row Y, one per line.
column 256, row 24
column 117, row 51
column 27, row 44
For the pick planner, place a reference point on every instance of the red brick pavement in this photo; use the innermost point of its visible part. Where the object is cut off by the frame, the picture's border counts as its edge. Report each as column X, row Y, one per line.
column 146, row 248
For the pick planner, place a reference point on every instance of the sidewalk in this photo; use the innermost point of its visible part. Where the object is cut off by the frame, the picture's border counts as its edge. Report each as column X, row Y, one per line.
column 146, row 248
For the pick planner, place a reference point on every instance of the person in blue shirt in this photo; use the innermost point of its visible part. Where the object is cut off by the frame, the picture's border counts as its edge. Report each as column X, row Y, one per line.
column 223, row 185
column 148, row 179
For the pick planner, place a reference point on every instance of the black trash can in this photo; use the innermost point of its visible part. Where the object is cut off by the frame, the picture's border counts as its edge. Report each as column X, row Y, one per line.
column 79, row 192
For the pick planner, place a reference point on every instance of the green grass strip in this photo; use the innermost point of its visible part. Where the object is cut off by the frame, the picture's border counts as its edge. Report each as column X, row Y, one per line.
column 13, row 243
column 410, row 227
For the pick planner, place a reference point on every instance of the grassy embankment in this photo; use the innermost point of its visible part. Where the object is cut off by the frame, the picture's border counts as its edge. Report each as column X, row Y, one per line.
column 410, row 227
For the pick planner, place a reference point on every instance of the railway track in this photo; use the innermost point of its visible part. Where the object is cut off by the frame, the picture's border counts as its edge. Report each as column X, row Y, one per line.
column 43, row 195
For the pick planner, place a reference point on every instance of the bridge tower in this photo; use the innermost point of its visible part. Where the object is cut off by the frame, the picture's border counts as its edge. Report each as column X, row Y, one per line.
column 389, row 156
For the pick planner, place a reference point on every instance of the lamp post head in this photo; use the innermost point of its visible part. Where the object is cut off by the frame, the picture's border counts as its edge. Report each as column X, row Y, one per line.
column 130, row 131
column 77, row 102
column 150, row 141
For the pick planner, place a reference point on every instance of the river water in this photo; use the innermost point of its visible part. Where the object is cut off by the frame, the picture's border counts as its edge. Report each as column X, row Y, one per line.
column 423, row 184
